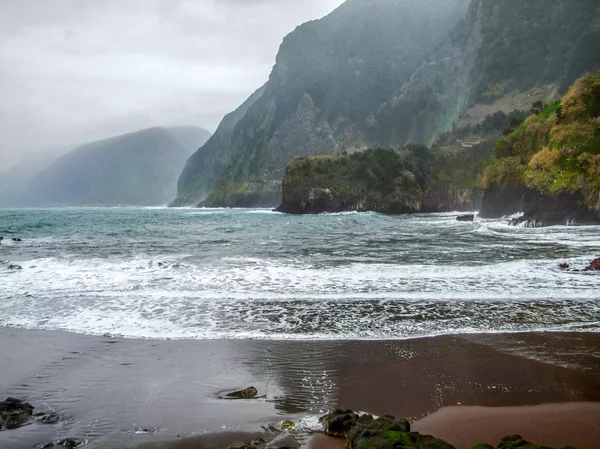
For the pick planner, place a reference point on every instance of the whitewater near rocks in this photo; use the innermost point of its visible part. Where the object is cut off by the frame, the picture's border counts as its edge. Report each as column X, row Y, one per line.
column 218, row 273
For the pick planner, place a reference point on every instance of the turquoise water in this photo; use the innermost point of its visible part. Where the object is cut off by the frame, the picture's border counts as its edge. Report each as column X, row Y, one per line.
column 217, row 273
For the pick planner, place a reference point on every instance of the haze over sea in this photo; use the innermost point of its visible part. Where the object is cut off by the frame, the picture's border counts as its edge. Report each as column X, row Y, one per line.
column 226, row 273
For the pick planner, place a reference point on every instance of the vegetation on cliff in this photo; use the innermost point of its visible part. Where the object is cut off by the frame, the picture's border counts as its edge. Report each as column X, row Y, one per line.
column 388, row 73
column 408, row 180
column 557, row 151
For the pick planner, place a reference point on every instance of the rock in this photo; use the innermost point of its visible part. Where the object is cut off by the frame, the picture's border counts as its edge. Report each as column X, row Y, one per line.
column 245, row 446
column 564, row 266
column 466, row 218
column 286, row 425
column 16, row 239
column 14, row 413
column 15, row 267
column 339, row 422
column 286, row 442
column 594, row 266
column 386, row 432
column 247, row 393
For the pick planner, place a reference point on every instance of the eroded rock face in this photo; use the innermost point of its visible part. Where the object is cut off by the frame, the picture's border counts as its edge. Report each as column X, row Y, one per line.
column 14, row 413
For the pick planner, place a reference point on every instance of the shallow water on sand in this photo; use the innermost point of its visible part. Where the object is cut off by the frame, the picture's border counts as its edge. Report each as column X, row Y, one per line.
column 216, row 273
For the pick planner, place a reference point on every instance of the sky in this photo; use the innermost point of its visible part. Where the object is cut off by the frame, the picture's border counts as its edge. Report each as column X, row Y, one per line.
column 75, row 71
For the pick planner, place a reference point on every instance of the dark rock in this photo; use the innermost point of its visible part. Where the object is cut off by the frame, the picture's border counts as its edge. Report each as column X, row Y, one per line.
column 14, row 413
column 564, row 266
column 466, row 218
column 245, row 446
column 502, row 200
column 16, row 239
column 15, row 267
column 339, row 422
column 247, row 393
column 594, row 266
column 556, row 210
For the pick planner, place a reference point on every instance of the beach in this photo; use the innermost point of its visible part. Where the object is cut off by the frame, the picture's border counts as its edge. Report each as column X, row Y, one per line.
column 117, row 393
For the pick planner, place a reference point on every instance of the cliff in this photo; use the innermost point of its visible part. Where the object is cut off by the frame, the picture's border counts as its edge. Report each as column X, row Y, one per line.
column 550, row 165
column 330, row 75
column 205, row 166
column 382, row 74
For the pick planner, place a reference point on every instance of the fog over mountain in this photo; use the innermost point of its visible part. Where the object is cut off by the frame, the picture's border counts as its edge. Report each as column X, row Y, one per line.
column 75, row 72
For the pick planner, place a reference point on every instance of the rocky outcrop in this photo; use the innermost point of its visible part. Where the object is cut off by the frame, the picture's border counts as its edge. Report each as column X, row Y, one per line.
column 556, row 210
column 386, row 181
column 366, row 432
column 549, row 166
column 503, row 199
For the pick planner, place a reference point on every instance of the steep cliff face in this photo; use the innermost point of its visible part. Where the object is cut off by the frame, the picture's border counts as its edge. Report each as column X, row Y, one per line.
column 386, row 73
column 205, row 166
column 552, row 161
column 500, row 48
column 329, row 77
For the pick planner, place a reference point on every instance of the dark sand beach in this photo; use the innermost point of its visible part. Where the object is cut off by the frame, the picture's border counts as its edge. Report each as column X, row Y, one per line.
column 117, row 393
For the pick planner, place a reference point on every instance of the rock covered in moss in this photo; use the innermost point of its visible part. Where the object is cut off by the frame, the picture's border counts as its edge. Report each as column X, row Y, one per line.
column 367, row 432
column 339, row 422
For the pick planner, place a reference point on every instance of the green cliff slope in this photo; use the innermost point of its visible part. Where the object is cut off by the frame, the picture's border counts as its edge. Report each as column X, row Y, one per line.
column 555, row 157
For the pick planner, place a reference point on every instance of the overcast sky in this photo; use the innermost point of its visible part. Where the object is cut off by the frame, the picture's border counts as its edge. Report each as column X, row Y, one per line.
column 75, row 71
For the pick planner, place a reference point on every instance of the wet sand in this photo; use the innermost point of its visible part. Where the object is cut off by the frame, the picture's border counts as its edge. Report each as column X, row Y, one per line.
column 118, row 393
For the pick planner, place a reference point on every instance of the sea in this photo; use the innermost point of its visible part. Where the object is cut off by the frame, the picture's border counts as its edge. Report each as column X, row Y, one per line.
column 159, row 273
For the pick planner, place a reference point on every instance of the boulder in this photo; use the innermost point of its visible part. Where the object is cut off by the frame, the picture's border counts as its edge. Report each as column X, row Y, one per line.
column 466, row 218
column 564, row 266
column 14, row 413
column 594, row 266
column 339, row 422
column 246, row 393
column 387, row 432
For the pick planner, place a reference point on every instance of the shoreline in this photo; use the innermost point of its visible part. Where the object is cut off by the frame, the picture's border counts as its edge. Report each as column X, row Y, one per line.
column 118, row 393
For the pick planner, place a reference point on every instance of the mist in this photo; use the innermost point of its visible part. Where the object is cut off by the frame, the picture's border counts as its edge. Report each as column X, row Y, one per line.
column 76, row 71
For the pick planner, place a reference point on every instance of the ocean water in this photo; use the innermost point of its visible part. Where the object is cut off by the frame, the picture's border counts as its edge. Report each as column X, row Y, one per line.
column 221, row 273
